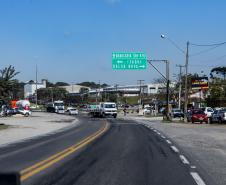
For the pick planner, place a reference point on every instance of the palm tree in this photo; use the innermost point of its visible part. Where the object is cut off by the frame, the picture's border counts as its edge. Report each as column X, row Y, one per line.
column 7, row 82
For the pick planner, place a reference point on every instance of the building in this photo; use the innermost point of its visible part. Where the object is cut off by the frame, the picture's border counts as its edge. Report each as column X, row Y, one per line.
column 133, row 90
column 75, row 89
column 30, row 87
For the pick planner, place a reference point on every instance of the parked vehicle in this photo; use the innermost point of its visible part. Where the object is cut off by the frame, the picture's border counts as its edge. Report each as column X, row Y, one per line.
column 7, row 111
column 208, row 111
column 177, row 113
column 197, row 115
column 215, row 117
column 147, row 110
column 222, row 114
column 56, row 106
column 23, row 107
column 72, row 111
column 50, row 107
column 103, row 109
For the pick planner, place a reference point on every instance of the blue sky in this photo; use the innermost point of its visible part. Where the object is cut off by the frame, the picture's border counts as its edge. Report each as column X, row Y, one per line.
column 72, row 40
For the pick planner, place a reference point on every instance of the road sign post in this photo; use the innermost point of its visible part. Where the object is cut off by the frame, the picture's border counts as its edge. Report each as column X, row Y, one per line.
column 129, row 61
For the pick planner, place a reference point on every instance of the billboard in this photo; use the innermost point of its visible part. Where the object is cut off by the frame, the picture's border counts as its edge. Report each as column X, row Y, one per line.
column 199, row 83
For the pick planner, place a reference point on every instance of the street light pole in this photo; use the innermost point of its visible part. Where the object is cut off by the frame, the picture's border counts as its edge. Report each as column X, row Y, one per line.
column 186, row 83
column 186, row 72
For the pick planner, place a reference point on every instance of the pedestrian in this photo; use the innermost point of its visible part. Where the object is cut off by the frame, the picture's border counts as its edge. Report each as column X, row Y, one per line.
column 124, row 110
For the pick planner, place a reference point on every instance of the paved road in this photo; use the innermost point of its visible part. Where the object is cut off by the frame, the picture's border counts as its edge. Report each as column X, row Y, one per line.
column 126, row 154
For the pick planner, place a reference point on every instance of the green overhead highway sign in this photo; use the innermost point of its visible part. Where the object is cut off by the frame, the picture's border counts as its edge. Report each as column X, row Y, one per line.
column 129, row 61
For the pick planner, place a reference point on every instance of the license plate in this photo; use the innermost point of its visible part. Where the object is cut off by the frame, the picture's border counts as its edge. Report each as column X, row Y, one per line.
column 200, row 118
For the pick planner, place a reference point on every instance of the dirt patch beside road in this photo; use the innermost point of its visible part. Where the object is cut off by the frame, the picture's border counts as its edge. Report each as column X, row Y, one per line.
column 20, row 127
column 3, row 126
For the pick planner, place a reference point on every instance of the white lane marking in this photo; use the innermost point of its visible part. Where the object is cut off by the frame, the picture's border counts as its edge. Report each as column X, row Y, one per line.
column 158, row 133
column 155, row 130
column 193, row 167
column 184, row 160
column 163, row 137
column 175, row 149
column 197, row 178
column 168, row 141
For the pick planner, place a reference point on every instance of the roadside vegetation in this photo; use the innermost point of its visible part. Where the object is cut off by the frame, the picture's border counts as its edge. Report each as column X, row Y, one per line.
column 3, row 126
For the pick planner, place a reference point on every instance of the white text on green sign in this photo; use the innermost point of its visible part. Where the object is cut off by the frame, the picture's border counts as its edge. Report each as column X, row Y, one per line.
column 129, row 61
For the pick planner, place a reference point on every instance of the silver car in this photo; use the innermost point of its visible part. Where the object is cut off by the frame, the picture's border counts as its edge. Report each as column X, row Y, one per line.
column 215, row 117
column 222, row 114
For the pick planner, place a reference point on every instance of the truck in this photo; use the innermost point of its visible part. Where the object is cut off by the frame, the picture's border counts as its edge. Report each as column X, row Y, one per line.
column 103, row 109
column 56, row 106
column 23, row 107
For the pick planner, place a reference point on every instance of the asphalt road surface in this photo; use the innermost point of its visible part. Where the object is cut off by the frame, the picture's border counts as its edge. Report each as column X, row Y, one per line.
column 116, row 152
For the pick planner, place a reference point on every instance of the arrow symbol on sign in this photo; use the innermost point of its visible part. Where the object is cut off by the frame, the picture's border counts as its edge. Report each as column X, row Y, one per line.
column 142, row 66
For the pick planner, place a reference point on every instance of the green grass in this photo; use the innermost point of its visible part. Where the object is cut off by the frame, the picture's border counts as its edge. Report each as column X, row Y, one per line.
column 3, row 126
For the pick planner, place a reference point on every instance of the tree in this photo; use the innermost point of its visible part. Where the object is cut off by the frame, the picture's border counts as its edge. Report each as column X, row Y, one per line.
column 93, row 85
column 218, row 71
column 49, row 84
column 7, row 82
column 61, row 84
column 216, row 92
column 55, row 93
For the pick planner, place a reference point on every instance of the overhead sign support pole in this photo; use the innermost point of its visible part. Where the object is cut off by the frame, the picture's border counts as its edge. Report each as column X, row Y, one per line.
column 166, row 77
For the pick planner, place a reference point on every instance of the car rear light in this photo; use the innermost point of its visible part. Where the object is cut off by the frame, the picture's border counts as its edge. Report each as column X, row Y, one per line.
column 26, row 108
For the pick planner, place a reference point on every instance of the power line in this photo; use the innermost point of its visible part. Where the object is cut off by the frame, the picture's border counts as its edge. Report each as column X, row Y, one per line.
column 191, row 65
column 215, row 59
column 204, row 51
column 172, row 42
column 208, row 45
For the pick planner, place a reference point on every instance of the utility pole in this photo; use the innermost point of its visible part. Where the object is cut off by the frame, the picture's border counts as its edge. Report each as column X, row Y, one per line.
column 167, row 88
column 140, row 83
column 180, row 83
column 166, row 77
column 36, row 86
column 186, row 83
column 116, row 90
column 99, row 91
column 52, row 93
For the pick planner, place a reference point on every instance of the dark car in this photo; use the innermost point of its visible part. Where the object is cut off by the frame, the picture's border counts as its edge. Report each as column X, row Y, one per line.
column 197, row 115
column 177, row 113
column 215, row 117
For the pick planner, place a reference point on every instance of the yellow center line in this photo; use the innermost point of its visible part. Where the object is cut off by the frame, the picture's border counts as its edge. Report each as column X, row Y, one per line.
column 30, row 171
column 57, row 154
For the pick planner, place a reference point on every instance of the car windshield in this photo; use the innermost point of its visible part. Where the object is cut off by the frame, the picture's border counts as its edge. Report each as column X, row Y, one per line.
column 59, row 104
column 176, row 110
column 72, row 109
column 198, row 112
column 109, row 105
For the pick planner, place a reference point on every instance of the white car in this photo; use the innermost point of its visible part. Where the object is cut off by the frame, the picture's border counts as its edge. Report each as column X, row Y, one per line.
column 72, row 111
column 208, row 111
column 24, row 112
column 147, row 110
